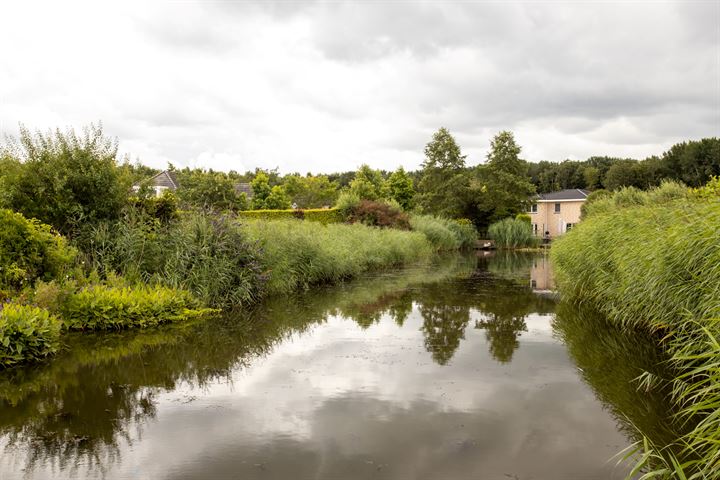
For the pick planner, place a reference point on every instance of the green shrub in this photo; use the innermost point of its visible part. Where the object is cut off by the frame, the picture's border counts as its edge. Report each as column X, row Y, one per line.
column 30, row 251
column 379, row 214
column 298, row 254
column 206, row 254
column 512, row 233
column 26, row 334
column 321, row 215
column 524, row 217
column 111, row 308
column 710, row 191
column 346, row 203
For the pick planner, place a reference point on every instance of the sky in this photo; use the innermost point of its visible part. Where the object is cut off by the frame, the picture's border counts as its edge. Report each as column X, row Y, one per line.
column 324, row 86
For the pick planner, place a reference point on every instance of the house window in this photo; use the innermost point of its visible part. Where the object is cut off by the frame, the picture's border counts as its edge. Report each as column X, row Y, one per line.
column 534, row 228
column 533, row 283
column 568, row 227
column 533, row 208
column 557, row 208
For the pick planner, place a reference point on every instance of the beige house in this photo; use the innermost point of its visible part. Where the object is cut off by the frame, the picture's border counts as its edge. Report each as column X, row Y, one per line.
column 555, row 213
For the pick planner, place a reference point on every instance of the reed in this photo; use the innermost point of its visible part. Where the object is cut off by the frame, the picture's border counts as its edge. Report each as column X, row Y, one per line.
column 651, row 262
column 512, row 233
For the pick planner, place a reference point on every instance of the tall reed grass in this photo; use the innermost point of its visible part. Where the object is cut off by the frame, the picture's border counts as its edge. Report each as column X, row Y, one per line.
column 651, row 261
column 512, row 233
column 297, row 254
column 443, row 233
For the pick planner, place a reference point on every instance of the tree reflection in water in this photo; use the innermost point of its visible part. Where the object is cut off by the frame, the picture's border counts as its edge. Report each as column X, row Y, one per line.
column 80, row 407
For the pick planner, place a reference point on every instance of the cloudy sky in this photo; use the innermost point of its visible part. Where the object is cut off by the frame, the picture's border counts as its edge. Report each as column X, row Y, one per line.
column 323, row 86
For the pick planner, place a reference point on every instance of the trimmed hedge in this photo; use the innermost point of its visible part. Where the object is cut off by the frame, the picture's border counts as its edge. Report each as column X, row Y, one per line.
column 322, row 215
column 26, row 334
column 115, row 308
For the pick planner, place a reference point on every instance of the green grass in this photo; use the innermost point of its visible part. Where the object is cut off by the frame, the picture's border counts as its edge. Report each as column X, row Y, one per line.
column 296, row 254
column 651, row 261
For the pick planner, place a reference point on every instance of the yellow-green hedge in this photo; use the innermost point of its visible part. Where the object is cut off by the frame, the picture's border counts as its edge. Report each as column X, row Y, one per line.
column 322, row 215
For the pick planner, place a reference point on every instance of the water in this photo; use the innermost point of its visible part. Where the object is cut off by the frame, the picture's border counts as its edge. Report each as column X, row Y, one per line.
column 454, row 371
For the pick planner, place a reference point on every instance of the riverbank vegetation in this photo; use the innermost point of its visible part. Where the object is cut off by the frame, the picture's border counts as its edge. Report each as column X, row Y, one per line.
column 650, row 261
column 513, row 233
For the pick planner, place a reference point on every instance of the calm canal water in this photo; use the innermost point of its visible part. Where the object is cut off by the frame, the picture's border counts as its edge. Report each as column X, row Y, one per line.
column 456, row 370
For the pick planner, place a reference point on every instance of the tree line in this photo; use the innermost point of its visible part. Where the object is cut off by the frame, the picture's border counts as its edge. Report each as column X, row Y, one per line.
column 68, row 178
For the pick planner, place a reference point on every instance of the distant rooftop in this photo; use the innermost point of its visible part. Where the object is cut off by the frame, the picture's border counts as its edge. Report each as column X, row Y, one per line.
column 571, row 194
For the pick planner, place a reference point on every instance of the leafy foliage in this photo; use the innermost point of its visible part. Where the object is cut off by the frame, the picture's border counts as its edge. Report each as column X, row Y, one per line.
column 67, row 178
column 311, row 191
column 30, row 251
column 26, row 334
column 401, row 188
column 444, row 234
column 444, row 184
column 209, row 190
column 378, row 214
column 115, row 308
column 368, row 184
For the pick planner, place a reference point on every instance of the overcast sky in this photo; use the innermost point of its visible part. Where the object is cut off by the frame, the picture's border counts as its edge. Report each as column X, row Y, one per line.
column 324, row 86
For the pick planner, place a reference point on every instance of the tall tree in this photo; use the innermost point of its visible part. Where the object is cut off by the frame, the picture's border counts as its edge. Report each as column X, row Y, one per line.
column 261, row 190
column 444, row 184
column 368, row 184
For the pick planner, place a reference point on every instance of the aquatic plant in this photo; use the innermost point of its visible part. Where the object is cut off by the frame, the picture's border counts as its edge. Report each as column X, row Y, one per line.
column 113, row 308
column 298, row 254
column 512, row 233
column 443, row 233
column 26, row 334
column 653, row 263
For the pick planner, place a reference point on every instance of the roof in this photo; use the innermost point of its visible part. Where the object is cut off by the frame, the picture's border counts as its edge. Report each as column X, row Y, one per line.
column 164, row 179
column 570, row 194
column 244, row 188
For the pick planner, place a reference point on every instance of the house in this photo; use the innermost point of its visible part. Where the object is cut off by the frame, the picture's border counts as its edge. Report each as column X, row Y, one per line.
column 166, row 180
column 555, row 213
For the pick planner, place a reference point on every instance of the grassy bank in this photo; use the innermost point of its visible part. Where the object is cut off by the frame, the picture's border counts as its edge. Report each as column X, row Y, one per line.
column 143, row 270
column 650, row 261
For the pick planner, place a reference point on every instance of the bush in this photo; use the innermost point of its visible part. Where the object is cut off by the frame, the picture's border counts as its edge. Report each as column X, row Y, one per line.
column 297, row 254
column 346, row 203
column 524, row 217
column 378, row 214
column 710, row 191
column 30, row 251
column 512, row 233
column 206, row 254
column 112, row 308
column 322, row 215
column 163, row 208
column 26, row 334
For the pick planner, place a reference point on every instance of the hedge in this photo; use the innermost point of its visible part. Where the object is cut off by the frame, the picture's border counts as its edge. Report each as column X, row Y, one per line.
column 322, row 215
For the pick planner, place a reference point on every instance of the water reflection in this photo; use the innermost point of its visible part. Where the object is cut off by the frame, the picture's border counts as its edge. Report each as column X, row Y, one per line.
column 445, row 371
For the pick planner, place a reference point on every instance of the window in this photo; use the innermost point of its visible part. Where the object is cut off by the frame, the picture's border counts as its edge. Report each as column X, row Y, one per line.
column 533, row 283
column 568, row 227
column 533, row 208
column 534, row 228
column 557, row 208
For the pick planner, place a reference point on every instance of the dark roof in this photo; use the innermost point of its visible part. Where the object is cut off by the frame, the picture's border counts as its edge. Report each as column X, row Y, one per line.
column 244, row 188
column 164, row 179
column 571, row 194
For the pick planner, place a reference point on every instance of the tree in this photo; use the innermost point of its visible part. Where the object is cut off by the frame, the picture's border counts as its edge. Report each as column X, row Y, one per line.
column 695, row 162
column 67, row 179
column 311, row 191
column 503, row 187
column 624, row 173
column 401, row 189
column 443, row 186
column 261, row 190
column 368, row 184
column 277, row 200
column 214, row 190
